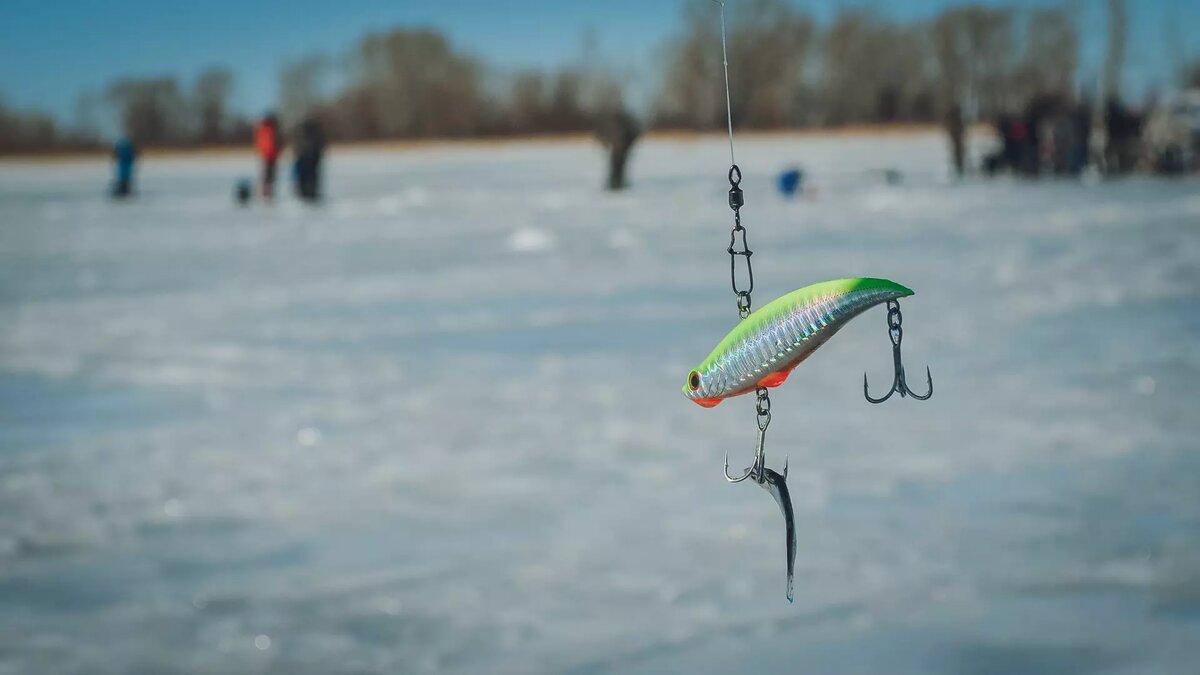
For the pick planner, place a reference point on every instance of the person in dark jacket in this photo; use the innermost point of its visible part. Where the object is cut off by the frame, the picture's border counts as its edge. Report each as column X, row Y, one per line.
column 124, row 159
column 617, row 131
column 1081, row 118
column 310, row 147
column 956, row 131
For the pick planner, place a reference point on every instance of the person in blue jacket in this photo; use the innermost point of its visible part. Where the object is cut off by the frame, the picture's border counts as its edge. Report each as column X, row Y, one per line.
column 124, row 158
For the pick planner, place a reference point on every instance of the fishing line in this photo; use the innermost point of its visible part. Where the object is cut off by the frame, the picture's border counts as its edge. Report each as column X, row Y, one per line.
column 725, row 65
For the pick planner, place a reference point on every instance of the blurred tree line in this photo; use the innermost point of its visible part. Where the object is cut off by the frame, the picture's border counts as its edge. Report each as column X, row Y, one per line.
column 157, row 111
column 412, row 83
column 153, row 111
column 27, row 131
column 786, row 70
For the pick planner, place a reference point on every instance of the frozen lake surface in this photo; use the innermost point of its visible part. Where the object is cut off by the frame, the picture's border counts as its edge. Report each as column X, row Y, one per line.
column 435, row 424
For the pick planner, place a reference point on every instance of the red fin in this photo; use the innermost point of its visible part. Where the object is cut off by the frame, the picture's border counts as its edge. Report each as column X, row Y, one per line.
column 707, row 402
column 775, row 379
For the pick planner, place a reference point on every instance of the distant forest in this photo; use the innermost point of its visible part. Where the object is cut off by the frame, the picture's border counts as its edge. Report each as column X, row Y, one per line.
column 787, row 71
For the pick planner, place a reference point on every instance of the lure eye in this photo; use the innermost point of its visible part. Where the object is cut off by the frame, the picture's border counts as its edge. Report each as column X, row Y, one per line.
column 694, row 380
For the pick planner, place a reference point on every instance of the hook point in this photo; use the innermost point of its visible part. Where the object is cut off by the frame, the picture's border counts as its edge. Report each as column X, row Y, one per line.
column 732, row 479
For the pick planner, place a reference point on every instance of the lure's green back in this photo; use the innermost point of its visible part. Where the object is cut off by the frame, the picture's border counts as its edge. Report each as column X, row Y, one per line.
column 775, row 310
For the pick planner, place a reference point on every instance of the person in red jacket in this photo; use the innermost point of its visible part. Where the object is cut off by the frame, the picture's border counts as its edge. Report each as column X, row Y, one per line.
column 269, row 143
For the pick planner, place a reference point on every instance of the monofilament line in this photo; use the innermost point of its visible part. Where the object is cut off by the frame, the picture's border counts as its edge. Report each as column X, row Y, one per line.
column 725, row 64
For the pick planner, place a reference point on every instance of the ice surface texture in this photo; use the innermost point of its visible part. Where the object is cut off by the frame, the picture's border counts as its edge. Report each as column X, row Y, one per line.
column 434, row 424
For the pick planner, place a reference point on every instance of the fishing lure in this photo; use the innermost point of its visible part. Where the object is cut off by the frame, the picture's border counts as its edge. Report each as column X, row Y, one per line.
column 761, row 351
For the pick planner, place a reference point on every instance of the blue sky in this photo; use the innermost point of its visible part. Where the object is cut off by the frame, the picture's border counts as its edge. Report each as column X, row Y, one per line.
column 50, row 51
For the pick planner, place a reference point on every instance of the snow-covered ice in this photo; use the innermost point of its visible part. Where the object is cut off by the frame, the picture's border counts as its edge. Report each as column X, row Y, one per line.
column 435, row 424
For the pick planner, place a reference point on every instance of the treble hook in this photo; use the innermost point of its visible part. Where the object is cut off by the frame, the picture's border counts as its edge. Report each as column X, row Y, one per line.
column 773, row 482
column 759, row 466
column 899, row 385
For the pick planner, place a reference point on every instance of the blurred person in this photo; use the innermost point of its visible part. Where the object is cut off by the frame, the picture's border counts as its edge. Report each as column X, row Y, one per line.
column 1031, row 147
column 1124, row 128
column 1057, row 133
column 1082, row 120
column 1065, row 142
column 124, row 159
column 1007, row 157
column 269, row 143
column 310, row 147
column 956, row 130
column 617, row 131
column 996, row 160
column 1015, row 137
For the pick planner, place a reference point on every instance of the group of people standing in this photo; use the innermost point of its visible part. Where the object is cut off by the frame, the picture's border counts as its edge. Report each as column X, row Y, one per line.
column 268, row 143
column 1052, row 137
column 306, row 169
column 1059, row 136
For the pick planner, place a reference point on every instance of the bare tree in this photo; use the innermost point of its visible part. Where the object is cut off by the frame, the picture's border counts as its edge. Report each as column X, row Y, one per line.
column 873, row 71
column 559, row 101
column 23, row 131
column 527, row 101
column 1051, row 56
column 211, row 97
column 418, row 84
column 603, row 88
column 687, row 96
column 151, row 110
column 1190, row 77
column 769, row 43
column 87, row 115
column 567, row 110
column 300, row 88
column 975, row 55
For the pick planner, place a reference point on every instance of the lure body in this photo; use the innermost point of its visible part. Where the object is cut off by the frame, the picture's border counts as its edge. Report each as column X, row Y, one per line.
column 762, row 350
